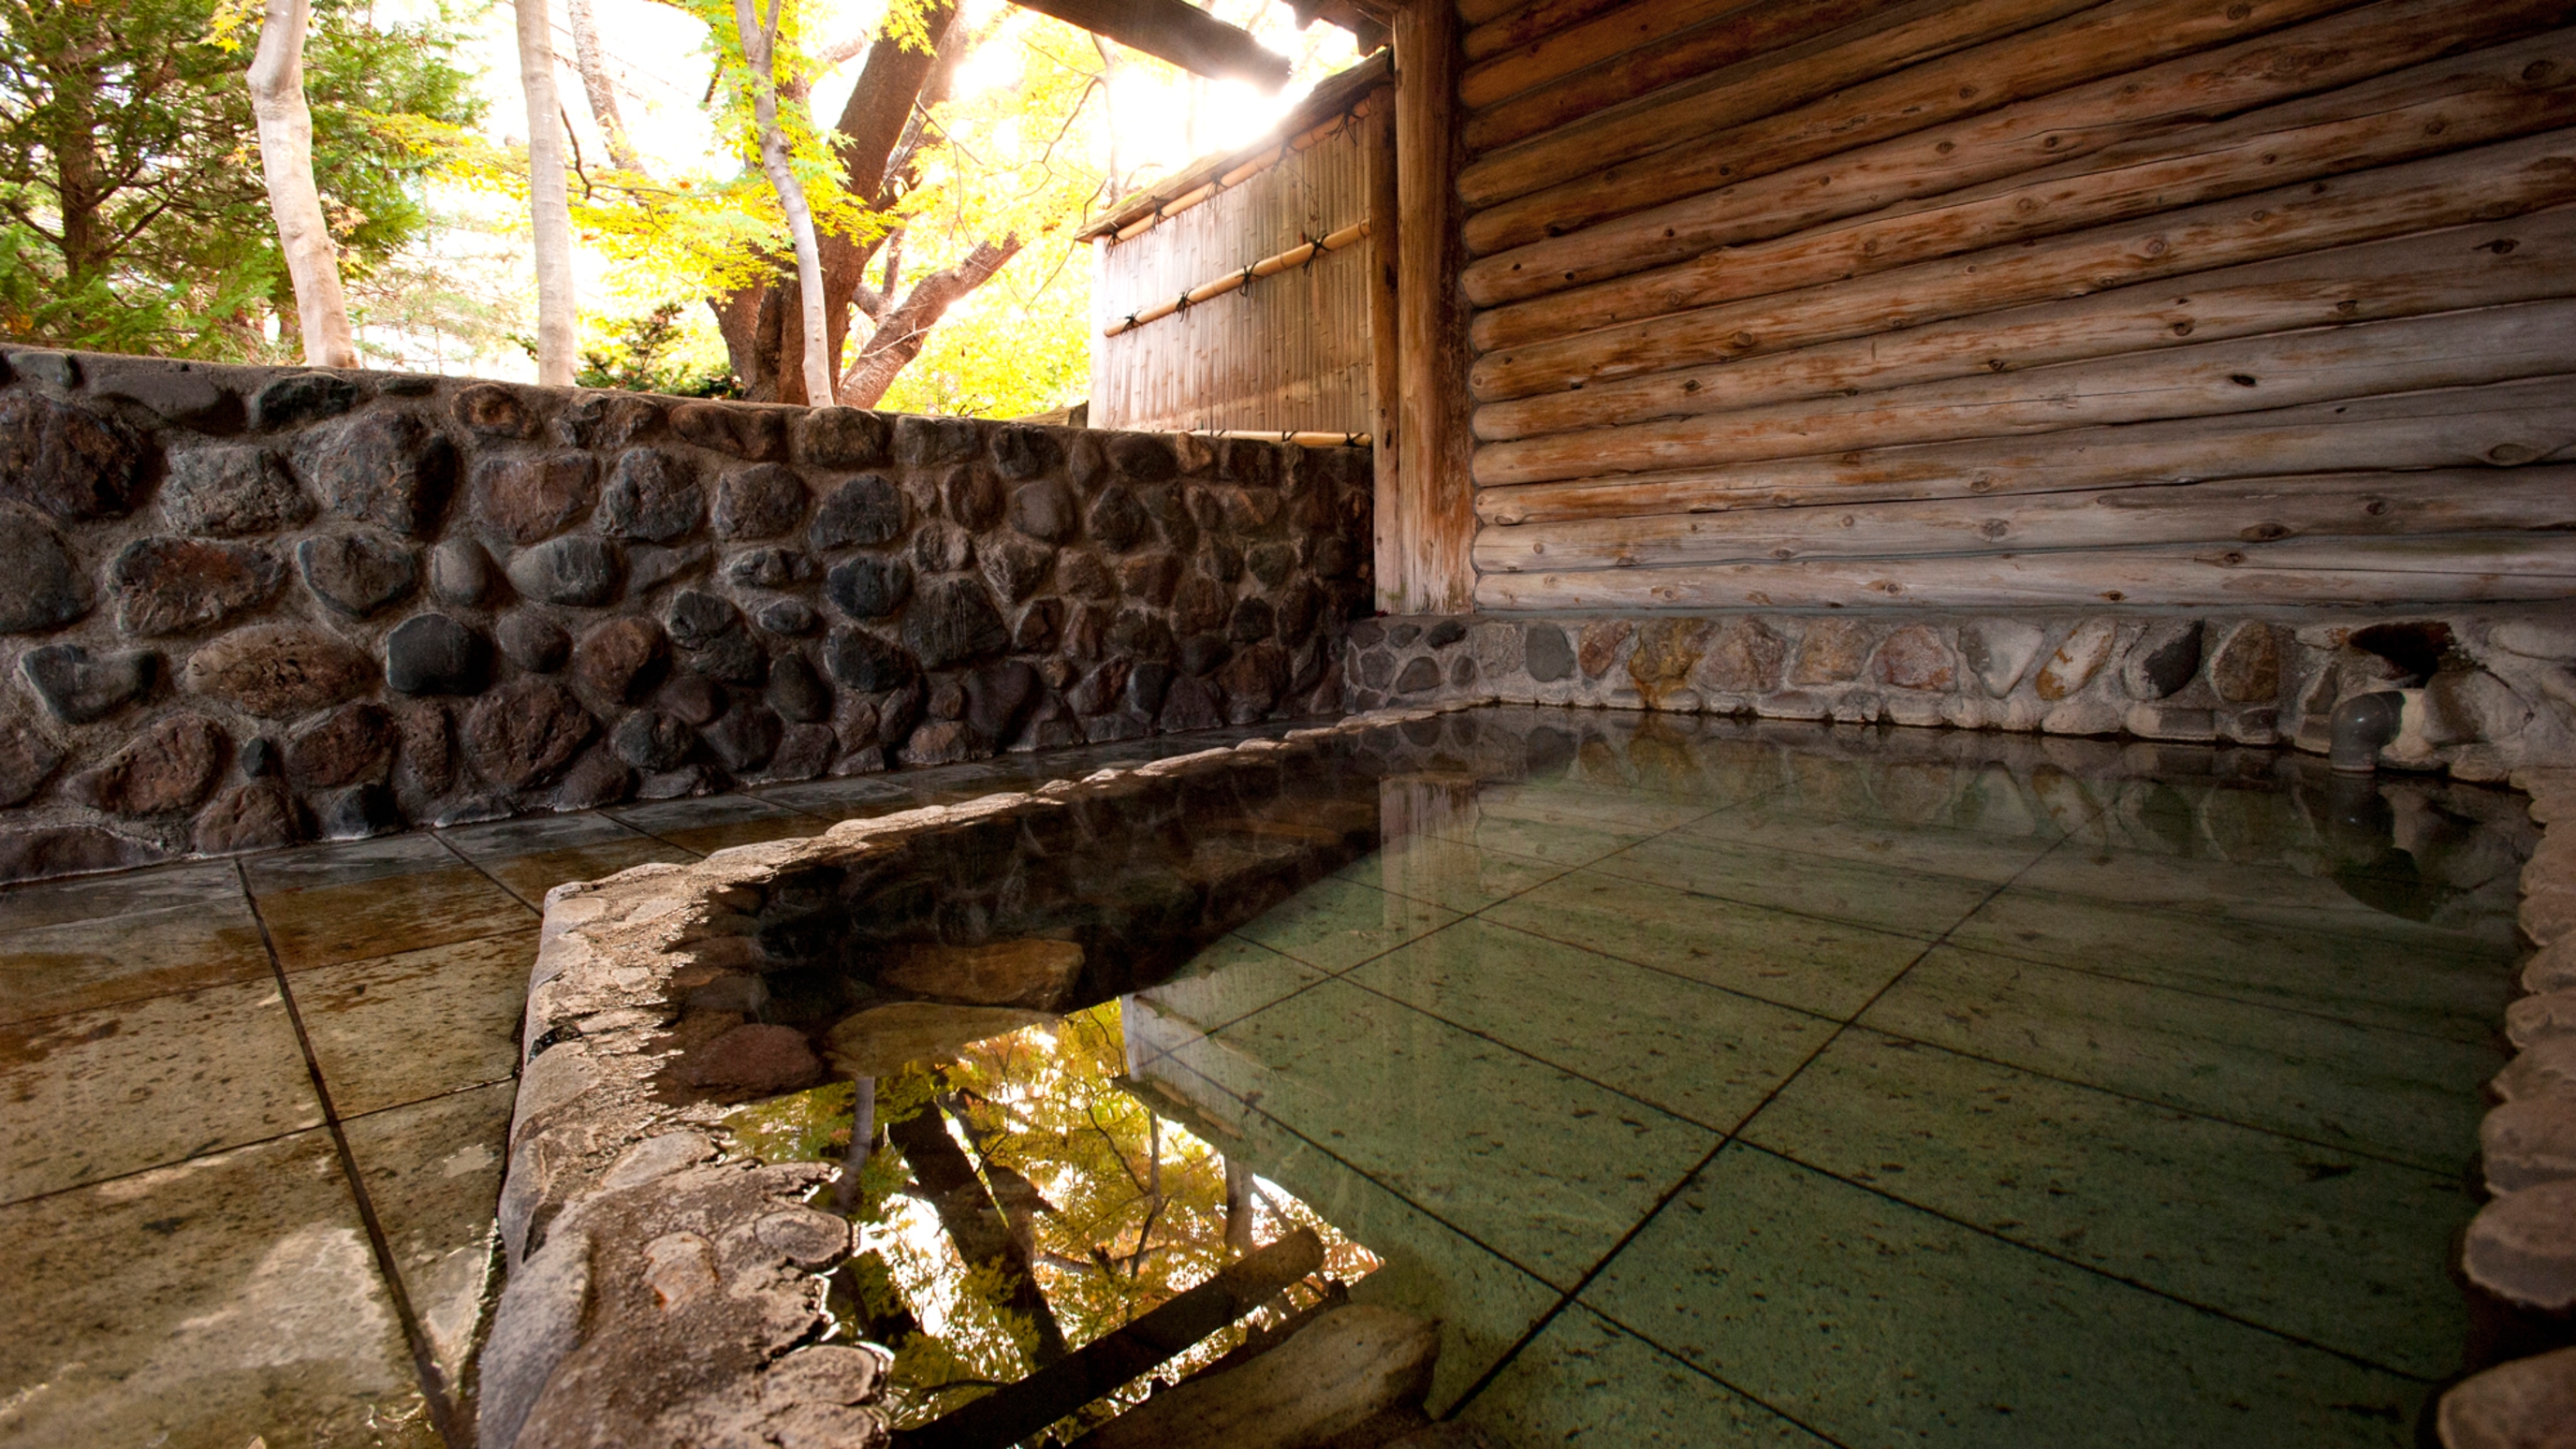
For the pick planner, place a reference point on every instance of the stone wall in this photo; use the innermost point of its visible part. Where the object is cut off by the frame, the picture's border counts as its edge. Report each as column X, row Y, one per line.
column 244, row 607
column 2499, row 692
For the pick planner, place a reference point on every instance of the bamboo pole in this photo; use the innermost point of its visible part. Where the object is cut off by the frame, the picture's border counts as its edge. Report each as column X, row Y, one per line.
column 2502, row 425
column 2199, row 165
column 2241, row 375
column 2447, row 568
column 2521, row 260
column 2505, row 179
column 2257, row 510
column 1208, row 191
column 2207, row 88
column 1270, row 266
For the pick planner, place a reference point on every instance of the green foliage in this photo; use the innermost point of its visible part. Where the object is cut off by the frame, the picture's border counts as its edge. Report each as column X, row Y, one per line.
column 1133, row 1207
column 652, row 352
column 133, row 213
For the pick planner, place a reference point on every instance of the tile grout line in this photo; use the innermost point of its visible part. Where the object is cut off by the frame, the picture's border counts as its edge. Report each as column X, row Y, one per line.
column 1684, row 1181
column 475, row 866
column 433, row 1386
column 1993, row 1235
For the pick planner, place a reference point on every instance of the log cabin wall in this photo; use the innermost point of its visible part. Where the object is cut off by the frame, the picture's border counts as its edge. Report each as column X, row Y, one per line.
column 1985, row 303
column 1286, row 352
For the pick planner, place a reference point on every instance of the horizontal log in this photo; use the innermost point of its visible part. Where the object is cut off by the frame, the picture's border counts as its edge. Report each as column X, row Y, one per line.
column 2448, row 568
column 1847, row 89
column 2255, row 510
column 2241, row 375
column 1762, row 28
column 1533, row 21
column 1480, row 12
column 2506, row 425
column 2502, row 180
column 1614, row 32
column 2471, row 266
column 2340, row 50
column 2201, row 165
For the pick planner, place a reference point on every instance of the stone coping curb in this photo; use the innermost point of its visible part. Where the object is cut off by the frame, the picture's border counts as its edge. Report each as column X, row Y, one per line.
column 2521, row 1247
column 657, row 1295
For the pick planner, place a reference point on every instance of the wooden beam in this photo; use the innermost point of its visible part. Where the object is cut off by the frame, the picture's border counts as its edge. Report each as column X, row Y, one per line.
column 2242, row 375
column 2519, row 260
column 2461, row 104
column 2226, row 511
column 2049, row 131
column 1187, row 37
column 2505, row 425
column 1434, row 521
column 1386, row 354
column 2443, row 568
column 2494, row 181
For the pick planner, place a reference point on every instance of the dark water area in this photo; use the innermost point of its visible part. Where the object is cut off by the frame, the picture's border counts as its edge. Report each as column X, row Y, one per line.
column 1707, row 1082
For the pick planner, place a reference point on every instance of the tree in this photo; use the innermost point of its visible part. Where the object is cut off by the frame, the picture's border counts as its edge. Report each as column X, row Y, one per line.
column 759, row 37
column 549, row 205
column 129, row 220
column 286, row 158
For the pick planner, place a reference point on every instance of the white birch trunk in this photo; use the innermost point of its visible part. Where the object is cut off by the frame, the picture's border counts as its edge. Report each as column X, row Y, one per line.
column 593, row 65
column 286, row 158
column 549, row 203
column 759, row 48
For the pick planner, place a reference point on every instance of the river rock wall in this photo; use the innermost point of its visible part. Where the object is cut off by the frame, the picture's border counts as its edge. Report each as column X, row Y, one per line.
column 244, row 607
column 2499, row 683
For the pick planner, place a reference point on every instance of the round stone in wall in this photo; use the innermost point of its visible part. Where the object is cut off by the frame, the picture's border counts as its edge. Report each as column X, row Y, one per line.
column 278, row 671
column 355, row 574
column 42, row 587
column 228, row 490
column 533, row 642
column 178, row 585
column 574, row 569
column 78, row 687
column 862, row 510
column 759, row 502
column 525, row 732
column 434, row 654
column 652, row 495
column 66, row 459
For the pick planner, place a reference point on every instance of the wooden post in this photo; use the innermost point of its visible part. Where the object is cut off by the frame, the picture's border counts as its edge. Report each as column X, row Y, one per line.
column 1434, row 521
column 1386, row 366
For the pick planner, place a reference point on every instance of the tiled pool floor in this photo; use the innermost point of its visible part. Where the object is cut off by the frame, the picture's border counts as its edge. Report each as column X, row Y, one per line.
column 1717, row 1084
column 252, row 1112
column 1708, row 1105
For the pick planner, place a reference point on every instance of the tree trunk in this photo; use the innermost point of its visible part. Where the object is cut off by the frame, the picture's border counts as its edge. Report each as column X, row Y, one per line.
column 286, row 158
column 595, row 83
column 873, row 126
column 759, row 45
column 549, row 204
column 974, row 1224
column 77, row 185
column 899, row 338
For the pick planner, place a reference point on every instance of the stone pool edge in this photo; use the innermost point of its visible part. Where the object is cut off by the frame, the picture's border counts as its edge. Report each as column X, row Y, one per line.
column 2521, row 1247
column 624, row 1238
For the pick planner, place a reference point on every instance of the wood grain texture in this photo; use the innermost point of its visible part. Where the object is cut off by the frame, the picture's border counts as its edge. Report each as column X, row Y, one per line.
column 2226, row 511
column 1698, row 130
column 2439, row 109
column 2501, row 180
column 2444, row 568
column 1435, row 522
column 2241, row 375
column 2506, row 425
column 2523, row 259
column 2202, row 89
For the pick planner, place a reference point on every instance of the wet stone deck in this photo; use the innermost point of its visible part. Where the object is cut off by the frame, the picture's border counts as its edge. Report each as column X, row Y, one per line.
column 252, row 1112
column 1710, row 1083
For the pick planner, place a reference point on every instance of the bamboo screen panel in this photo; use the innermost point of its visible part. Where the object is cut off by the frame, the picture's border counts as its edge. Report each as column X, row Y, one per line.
column 1288, row 352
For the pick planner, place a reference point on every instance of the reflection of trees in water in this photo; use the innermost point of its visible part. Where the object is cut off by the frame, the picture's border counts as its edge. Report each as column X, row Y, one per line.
column 1021, row 1202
